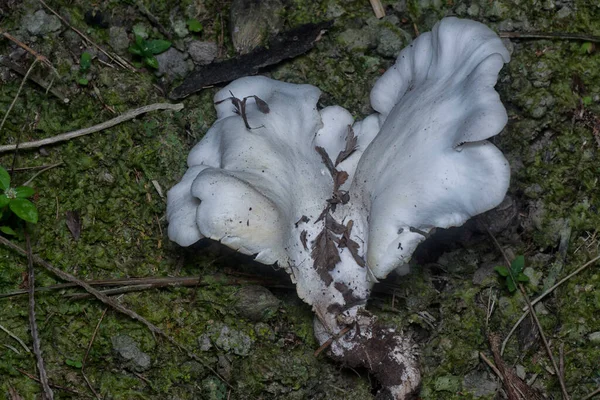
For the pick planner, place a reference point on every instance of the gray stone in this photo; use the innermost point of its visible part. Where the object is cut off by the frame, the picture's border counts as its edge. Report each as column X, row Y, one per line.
column 204, row 342
column 594, row 337
column 141, row 29
column 480, row 384
column 256, row 303
column 228, row 339
column 180, row 28
column 118, row 39
column 128, row 351
column 541, row 74
column 473, row 10
column 447, row 383
column 564, row 12
column 40, row 23
column 390, row 41
column 358, row 39
column 224, row 367
column 172, row 64
column 264, row 331
column 252, row 22
column 334, row 10
column 202, row 52
column 485, row 274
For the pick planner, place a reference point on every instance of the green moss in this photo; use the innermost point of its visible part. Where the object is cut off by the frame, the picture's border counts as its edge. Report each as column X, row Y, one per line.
column 108, row 178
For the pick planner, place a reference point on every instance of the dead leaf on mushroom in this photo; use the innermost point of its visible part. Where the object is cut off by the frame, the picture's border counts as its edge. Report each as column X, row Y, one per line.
column 240, row 106
column 350, row 148
column 325, row 254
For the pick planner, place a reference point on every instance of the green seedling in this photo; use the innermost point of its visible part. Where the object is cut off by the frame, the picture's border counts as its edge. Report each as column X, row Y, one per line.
column 85, row 63
column 13, row 200
column 74, row 363
column 514, row 274
column 194, row 25
column 147, row 49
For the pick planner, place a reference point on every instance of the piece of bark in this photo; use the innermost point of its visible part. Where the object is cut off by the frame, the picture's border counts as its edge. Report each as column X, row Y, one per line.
column 73, row 223
column 289, row 44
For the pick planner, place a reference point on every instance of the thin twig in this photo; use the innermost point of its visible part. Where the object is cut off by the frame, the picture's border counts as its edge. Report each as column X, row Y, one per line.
column 22, row 169
column 37, row 348
column 535, row 318
column 18, row 93
column 120, row 61
column 550, row 36
column 153, row 20
column 159, row 282
column 63, row 388
column 87, row 352
column 540, row 297
column 491, row 365
column 31, row 51
column 378, row 8
column 41, row 82
column 96, row 128
column 546, row 344
column 594, row 393
column 110, row 302
column 28, row 182
column 12, row 335
column 572, row 274
column 331, row 339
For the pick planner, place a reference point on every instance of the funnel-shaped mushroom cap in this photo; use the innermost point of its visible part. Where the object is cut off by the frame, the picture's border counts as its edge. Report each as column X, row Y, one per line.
column 430, row 165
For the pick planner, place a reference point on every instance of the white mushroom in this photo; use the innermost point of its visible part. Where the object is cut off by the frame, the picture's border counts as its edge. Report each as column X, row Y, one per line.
column 339, row 207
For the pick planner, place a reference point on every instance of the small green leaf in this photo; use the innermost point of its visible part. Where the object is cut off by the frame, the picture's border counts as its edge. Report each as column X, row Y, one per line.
column 158, row 46
column 516, row 267
column 503, row 271
column 4, row 200
column 510, row 284
column 86, row 61
column 7, row 230
column 151, row 62
column 135, row 50
column 4, row 179
column 73, row 363
column 194, row 25
column 522, row 277
column 83, row 81
column 24, row 209
column 587, row 48
column 23, row 192
column 587, row 100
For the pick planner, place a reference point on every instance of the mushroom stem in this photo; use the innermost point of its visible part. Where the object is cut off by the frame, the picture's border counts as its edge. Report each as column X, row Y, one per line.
column 389, row 355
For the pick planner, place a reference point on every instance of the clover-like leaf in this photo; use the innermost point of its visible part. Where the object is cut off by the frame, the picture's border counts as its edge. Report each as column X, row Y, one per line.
column 135, row 50
column 7, row 230
column 85, row 62
column 22, row 192
column 4, row 179
column 502, row 271
column 74, row 363
column 4, row 200
column 194, row 25
column 151, row 62
column 510, row 284
column 158, row 46
column 517, row 265
column 24, row 209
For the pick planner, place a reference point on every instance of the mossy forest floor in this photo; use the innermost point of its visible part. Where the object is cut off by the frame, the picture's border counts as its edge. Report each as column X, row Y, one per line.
column 551, row 89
